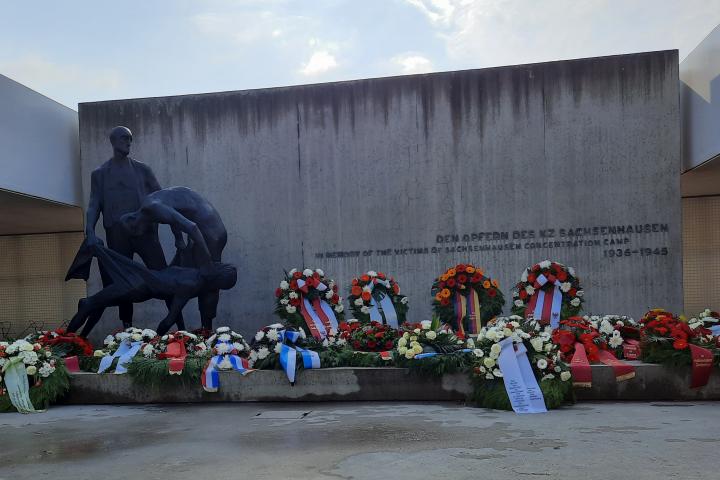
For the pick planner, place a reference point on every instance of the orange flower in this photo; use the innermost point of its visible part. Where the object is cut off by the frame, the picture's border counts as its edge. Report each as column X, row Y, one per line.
column 438, row 296
column 366, row 296
column 451, row 272
column 496, row 284
column 354, row 281
column 444, row 277
column 479, row 271
column 470, row 269
column 365, row 278
column 486, row 284
column 445, row 293
column 356, row 291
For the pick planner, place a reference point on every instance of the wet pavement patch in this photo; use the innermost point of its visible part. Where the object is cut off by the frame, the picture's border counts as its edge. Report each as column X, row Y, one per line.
column 282, row 415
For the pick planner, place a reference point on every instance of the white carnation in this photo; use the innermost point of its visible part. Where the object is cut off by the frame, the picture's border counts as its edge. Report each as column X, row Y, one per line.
column 339, row 308
column 284, row 285
column 225, row 337
column 264, row 352
column 365, row 309
column 259, row 335
column 329, row 294
column 565, row 287
column 291, row 309
column 575, row 302
column 529, row 289
column 284, row 301
column 615, row 342
column 272, row 335
column 238, row 346
column 545, row 264
column 46, row 370
column 542, row 364
column 478, row 352
column 136, row 337
column 149, row 334
column 359, row 302
column 31, row 370
column 565, row 376
column 518, row 303
column 319, row 272
column 293, row 295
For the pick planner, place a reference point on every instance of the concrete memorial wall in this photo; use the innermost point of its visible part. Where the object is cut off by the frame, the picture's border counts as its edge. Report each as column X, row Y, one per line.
column 574, row 161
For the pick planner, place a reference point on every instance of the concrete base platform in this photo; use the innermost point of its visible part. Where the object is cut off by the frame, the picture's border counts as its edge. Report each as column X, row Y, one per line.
column 652, row 382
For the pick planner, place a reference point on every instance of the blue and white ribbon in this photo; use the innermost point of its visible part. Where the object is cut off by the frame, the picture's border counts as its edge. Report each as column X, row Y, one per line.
column 211, row 377
column 434, row 354
column 386, row 304
column 124, row 353
column 288, row 354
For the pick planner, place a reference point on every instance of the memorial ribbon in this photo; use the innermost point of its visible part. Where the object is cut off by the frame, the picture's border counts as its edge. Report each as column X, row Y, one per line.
column 289, row 351
column 535, row 395
column 623, row 371
column 420, row 356
column 72, row 364
column 580, row 367
column 17, row 386
column 524, row 398
column 702, row 361
column 388, row 315
column 124, row 354
column 318, row 315
column 474, row 316
column 210, row 376
column 460, row 313
column 176, row 352
column 546, row 305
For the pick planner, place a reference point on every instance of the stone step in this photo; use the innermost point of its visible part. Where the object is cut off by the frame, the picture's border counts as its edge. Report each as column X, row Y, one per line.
column 652, row 382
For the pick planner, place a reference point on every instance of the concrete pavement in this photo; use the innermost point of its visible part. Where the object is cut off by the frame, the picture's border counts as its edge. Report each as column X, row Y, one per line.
column 361, row 441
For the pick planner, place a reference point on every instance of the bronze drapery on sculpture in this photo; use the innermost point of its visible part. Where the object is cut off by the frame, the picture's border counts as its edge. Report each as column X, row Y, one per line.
column 132, row 203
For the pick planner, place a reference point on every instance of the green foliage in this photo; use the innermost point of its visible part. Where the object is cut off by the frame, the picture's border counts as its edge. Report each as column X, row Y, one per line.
column 89, row 364
column 492, row 394
column 437, row 365
column 154, row 373
column 49, row 390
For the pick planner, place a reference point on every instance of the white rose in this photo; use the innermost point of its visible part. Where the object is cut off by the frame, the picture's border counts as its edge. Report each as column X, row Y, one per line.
column 431, row 335
column 284, row 285
column 259, row 335
column 575, row 302
column 545, row 264
column 565, row 287
column 496, row 348
column 293, row 295
column 497, row 373
column 542, row 364
column 291, row 309
column 489, row 362
column 529, row 289
column 606, row 327
column 489, row 376
column 31, row 370
column 518, row 303
column 339, row 308
column 565, row 376
column 402, row 342
column 548, row 347
column 537, row 344
column 409, row 354
column 470, row 343
column 507, row 332
column 319, row 272
column 98, row 353
column 284, row 301
column 238, row 346
column 425, row 324
column 329, row 294
column 416, row 331
column 402, row 350
column 359, row 302
column 225, row 337
column 136, row 337
column 417, row 348
column 491, row 334
column 365, row 310
column 308, row 273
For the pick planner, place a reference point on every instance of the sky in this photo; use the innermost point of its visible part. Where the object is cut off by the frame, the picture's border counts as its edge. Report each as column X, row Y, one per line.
column 88, row 50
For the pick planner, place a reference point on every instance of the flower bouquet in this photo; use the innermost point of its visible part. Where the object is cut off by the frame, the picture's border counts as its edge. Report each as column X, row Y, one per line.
column 551, row 373
column 466, row 299
column 279, row 346
column 120, row 348
column 375, row 297
column 62, row 343
column 667, row 339
column 31, row 377
column 307, row 300
column 229, row 351
column 179, row 355
column 618, row 332
column 370, row 337
column 548, row 291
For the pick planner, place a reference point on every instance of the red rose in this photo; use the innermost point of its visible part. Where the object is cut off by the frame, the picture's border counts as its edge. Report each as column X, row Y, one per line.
column 293, row 285
column 295, row 302
column 441, row 285
column 572, row 292
column 389, row 345
column 316, row 276
column 450, row 283
column 462, row 278
column 444, row 302
column 460, row 268
column 356, row 345
column 381, row 275
column 278, row 292
column 297, row 275
column 531, row 279
column 372, row 344
column 523, row 294
column 561, row 275
column 335, row 299
column 477, row 278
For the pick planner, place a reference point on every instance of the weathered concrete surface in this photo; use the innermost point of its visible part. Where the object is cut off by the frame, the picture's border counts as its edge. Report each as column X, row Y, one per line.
column 362, row 441
column 384, row 166
column 652, row 382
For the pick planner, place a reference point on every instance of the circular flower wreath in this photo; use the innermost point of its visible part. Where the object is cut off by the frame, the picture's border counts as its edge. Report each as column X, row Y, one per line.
column 194, row 344
column 309, row 284
column 62, row 343
column 461, row 281
column 552, row 272
column 373, row 287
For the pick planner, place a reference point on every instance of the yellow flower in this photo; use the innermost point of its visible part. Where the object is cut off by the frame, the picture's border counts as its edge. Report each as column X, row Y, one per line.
column 486, row 284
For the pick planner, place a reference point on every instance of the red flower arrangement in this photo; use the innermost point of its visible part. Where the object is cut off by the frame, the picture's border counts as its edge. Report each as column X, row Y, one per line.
column 577, row 329
column 64, row 343
column 660, row 325
column 371, row 337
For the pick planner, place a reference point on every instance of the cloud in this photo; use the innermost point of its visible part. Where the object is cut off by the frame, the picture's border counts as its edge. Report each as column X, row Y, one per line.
column 56, row 80
column 437, row 11
column 320, row 62
column 410, row 63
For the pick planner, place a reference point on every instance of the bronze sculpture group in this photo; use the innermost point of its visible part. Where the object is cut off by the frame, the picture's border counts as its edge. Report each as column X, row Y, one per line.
column 132, row 204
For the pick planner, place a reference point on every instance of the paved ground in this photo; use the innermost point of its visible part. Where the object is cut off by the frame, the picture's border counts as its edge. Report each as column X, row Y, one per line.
column 362, row 441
